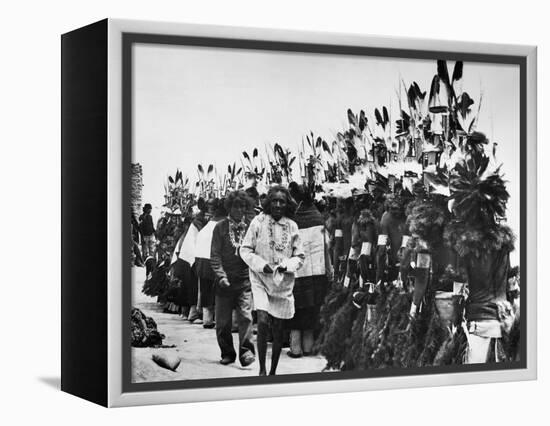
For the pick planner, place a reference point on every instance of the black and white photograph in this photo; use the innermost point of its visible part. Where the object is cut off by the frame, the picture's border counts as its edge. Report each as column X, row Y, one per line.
column 318, row 213
column 259, row 213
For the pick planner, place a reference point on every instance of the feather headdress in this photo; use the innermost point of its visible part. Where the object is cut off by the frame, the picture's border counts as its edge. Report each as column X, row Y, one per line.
column 478, row 195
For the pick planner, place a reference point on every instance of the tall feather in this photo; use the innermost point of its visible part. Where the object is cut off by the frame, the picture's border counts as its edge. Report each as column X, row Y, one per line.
column 457, row 72
column 351, row 118
column 443, row 72
column 326, row 147
column 419, row 93
column 378, row 117
column 362, row 120
column 411, row 97
column 434, row 89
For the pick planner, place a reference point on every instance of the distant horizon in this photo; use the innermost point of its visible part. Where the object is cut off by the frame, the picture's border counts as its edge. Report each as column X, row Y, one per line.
column 198, row 105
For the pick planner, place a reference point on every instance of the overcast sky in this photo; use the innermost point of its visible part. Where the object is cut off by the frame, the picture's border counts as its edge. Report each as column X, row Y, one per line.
column 206, row 105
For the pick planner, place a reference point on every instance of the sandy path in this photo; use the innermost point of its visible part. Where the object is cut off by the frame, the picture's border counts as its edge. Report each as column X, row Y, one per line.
column 197, row 347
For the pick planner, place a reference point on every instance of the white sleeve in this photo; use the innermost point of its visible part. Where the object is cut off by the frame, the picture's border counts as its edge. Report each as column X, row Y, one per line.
column 248, row 248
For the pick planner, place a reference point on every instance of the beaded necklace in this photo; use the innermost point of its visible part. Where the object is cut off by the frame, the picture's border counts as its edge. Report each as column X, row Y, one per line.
column 278, row 246
column 236, row 234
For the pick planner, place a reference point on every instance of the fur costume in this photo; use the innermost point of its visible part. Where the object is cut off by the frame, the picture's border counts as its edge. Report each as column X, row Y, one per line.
column 479, row 197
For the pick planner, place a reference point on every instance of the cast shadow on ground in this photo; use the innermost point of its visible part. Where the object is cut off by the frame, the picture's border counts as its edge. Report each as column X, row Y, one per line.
column 54, row 382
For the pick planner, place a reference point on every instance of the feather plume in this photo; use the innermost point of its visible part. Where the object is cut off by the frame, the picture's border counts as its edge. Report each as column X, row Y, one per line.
column 351, row 118
column 418, row 93
column 404, row 123
column 442, row 71
column 434, row 89
column 378, row 116
column 478, row 198
column 318, row 142
column 463, row 105
column 457, row 72
column 362, row 120
column 411, row 97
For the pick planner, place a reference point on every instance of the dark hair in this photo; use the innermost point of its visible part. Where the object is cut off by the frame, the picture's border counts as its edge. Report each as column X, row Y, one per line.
column 217, row 206
column 238, row 197
column 201, row 204
column 252, row 192
column 300, row 193
column 290, row 203
column 147, row 206
column 220, row 208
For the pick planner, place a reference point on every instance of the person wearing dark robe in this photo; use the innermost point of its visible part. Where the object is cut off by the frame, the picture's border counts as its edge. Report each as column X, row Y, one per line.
column 311, row 284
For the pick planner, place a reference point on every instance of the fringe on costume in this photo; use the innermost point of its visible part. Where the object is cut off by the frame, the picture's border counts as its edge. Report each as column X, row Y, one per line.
column 391, row 338
column 336, row 341
column 468, row 240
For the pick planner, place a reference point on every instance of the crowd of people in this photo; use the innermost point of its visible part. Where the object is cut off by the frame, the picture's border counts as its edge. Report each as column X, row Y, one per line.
column 386, row 277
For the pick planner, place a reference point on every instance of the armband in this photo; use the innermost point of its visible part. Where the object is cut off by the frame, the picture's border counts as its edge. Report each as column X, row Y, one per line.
column 366, row 249
column 346, row 282
column 382, row 239
column 423, row 260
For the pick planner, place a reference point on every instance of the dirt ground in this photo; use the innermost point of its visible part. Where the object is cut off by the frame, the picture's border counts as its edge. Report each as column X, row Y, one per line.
column 197, row 348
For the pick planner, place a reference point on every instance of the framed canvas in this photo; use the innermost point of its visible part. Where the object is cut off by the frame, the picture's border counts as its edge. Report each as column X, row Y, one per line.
column 310, row 212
